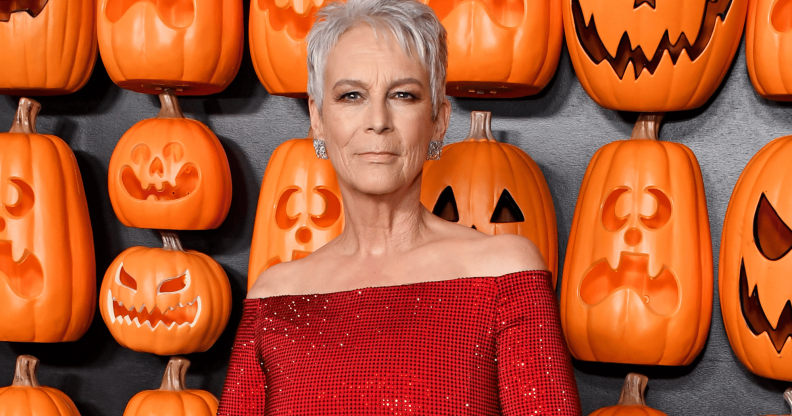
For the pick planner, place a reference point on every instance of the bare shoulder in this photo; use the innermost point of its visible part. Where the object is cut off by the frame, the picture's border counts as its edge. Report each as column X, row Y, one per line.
column 506, row 253
column 275, row 280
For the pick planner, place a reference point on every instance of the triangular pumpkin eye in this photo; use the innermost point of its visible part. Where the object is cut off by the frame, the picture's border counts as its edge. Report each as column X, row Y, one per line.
column 446, row 206
column 772, row 236
column 506, row 210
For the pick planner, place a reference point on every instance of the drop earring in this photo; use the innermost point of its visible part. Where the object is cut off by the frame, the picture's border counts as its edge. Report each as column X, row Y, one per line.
column 435, row 149
column 321, row 150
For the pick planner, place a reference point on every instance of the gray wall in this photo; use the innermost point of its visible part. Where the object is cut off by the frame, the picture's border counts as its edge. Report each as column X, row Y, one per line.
column 561, row 129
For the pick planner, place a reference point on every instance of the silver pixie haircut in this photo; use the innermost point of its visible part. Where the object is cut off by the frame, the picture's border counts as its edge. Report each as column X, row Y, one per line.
column 414, row 26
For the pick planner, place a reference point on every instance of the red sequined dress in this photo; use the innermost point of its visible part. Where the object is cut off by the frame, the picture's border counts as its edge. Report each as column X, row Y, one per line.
column 467, row 346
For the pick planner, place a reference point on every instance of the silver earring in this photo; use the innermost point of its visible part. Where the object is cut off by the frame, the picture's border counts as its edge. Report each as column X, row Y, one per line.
column 435, row 149
column 321, row 150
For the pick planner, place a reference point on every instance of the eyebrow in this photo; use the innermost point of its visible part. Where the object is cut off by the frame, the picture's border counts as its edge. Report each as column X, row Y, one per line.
column 397, row 83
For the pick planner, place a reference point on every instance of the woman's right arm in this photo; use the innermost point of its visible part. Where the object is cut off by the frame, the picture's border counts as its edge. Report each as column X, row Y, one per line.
column 245, row 384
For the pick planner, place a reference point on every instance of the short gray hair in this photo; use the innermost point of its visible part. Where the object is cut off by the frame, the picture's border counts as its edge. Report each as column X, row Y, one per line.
column 414, row 26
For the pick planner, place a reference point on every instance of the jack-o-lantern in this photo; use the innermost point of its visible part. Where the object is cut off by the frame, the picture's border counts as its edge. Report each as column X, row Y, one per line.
column 170, row 172
column 48, row 46
column 26, row 397
column 299, row 207
column 755, row 295
column 652, row 55
column 500, row 49
column 631, row 400
column 493, row 187
column 768, row 48
column 191, row 46
column 638, row 278
column 173, row 398
column 47, row 269
column 166, row 300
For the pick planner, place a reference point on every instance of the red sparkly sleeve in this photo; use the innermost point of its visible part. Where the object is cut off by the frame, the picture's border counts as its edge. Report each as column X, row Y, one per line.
column 534, row 367
column 244, row 389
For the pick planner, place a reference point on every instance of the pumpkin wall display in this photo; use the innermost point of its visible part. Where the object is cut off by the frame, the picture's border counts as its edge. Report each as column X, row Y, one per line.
column 191, row 46
column 631, row 400
column 170, row 172
column 638, row 277
column 48, row 284
column 500, row 49
column 768, row 48
column 49, row 46
column 173, row 398
column 166, row 300
column 299, row 207
column 25, row 396
column 754, row 267
column 652, row 56
column 493, row 187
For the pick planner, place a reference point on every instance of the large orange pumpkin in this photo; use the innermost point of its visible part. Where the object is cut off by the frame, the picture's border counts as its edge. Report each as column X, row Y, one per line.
column 173, row 398
column 47, row 269
column 26, row 397
column 166, row 300
column 500, row 49
column 299, row 207
column 768, row 48
column 638, row 279
column 649, row 55
column 48, row 46
column 170, row 172
column 192, row 46
column 493, row 187
column 631, row 400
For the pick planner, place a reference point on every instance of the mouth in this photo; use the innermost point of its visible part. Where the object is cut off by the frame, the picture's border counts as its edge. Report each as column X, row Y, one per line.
column 186, row 182
column 25, row 276
column 378, row 157
column 179, row 316
column 659, row 293
column 174, row 13
column 757, row 321
column 31, row 7
column 590, row 39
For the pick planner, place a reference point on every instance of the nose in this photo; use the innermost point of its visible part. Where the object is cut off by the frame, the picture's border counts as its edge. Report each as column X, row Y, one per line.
column 379, row 120
column 303, row 235
column 156, row 167
column 633, row 237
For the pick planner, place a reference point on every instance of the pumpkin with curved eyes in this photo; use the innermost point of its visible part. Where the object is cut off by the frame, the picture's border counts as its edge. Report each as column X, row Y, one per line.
column 173, row 398
column 768, row 46
column 638, row 278
column 25, row 396
column 166, row 300
column 631, row 400
column 493, row 187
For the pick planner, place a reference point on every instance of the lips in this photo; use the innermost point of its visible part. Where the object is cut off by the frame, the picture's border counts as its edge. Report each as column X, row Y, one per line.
column 186, row 182
column 180, row 315
column 25, row 276
column 32, row 7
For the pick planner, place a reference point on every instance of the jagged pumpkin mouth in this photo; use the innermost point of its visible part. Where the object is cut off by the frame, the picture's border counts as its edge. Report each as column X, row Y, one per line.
column 757, row 321
column 591, row 42
column 174, row 13
column 185, row 184
column 169, row 316
column 31, row 7
column 25, row 276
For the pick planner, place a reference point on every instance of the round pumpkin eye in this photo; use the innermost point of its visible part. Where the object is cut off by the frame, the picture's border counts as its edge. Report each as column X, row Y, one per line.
column 332, row 211
column 22, row 196
column 662, row 213
column 173, row 151
column 610, row 220
column 282, row 218
column 141, row 153
column 125, row 279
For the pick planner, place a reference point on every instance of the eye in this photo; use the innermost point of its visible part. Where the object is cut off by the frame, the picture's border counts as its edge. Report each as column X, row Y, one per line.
column 610, row 220
column 24, row 198
column 174, row 284
column 173, row 151
column 404, row 95
column 141, row 153
column 125, row 279
column 349, row 96
column 506, row 210
column 282, row 218
column 663, row 212
column 446, row 206
column 332, row 210
column 772, row 236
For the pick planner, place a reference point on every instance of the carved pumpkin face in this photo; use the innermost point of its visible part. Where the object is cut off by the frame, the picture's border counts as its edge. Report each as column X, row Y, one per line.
column 637, row 286
column 191, row 46
column 165, row 301
column 58, row 32
column 755, row 264
column 652, row 55
column 500, row 49
column 46, row 246
column 768, row 44
column 493, row 187
column 299, row 207
column 170, row 172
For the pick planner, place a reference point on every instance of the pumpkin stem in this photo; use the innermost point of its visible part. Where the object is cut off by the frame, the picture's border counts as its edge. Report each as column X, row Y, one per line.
column 25, row 374
column 647, row 127
column 170, row 105
column 632, row 393
column 788, row 396
column 480, row 126
column 175, row 374
column 25, row 118
column 170, row 241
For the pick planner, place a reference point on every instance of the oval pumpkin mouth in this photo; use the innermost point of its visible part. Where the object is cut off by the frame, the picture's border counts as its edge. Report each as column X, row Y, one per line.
column 25, row 276
column 174, row 13
column 185, row 184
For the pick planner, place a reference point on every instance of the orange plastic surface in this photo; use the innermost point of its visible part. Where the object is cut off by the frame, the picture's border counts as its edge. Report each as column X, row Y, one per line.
column 25, row 396
column 173, row 398
column 768, row 48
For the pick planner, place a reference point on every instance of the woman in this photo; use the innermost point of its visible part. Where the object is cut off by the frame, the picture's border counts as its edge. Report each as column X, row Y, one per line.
column 384, row 319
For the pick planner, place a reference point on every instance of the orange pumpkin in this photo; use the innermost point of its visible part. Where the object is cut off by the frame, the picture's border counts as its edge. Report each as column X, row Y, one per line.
column 638, row 279
column 299, row 207
column 500, row 49
column 768, row 47
column 47, row 288
column 650, row 55
column 26, row 397
column 192, row 46
column 49, row 46
column 631, row 400
column 493, row 187
column 173, row 398
column 170, row 172
column 754, row 263
column 165, row 301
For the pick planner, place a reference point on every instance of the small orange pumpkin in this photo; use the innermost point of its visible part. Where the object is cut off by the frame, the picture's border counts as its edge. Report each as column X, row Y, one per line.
column 768, row 46
column 165, row 301
column 631, row 400
column 26, row 397
column 170, row 172
column 173, row 398
column 299, row 207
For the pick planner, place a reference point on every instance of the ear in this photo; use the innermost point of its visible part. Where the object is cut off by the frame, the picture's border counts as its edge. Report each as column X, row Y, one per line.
column 442, row 120
column 316, row 119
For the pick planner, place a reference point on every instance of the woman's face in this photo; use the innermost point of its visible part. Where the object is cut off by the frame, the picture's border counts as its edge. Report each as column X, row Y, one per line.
column 376, row 117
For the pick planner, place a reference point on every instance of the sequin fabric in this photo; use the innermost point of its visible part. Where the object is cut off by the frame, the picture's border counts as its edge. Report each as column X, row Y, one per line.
column 469, row 346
